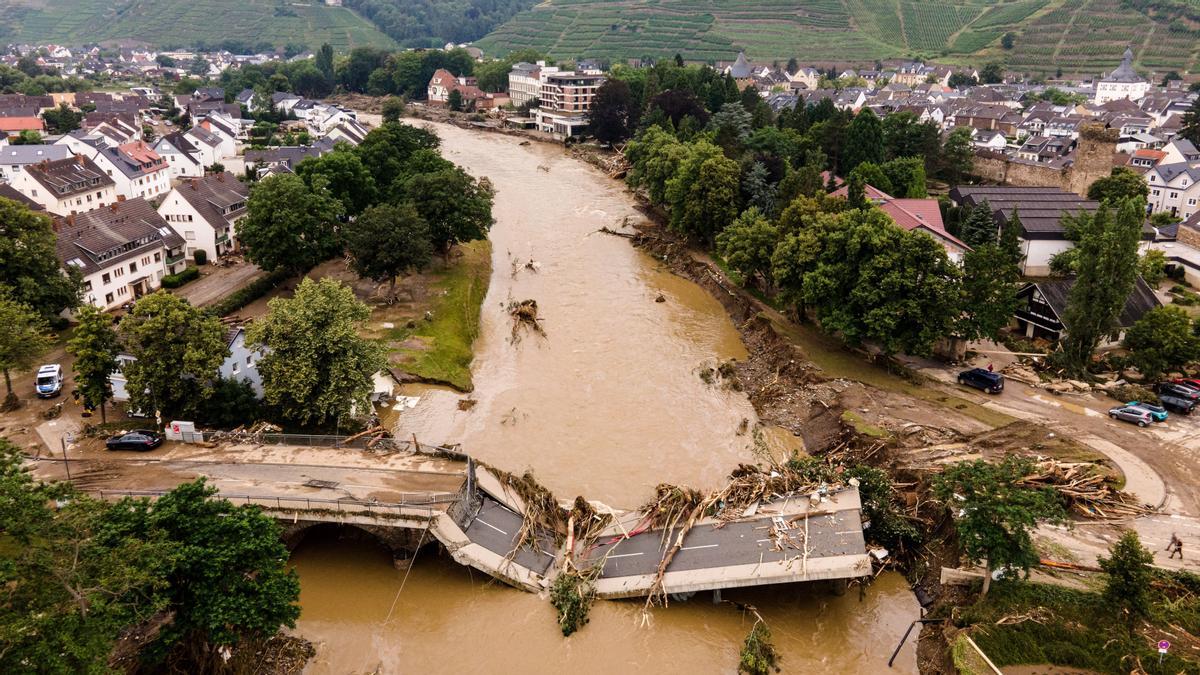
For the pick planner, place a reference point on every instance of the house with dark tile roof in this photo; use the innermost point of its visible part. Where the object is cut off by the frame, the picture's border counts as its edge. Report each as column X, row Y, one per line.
column 122, row 250
column 1044, row 302
column 66, row 186
column 205, row 211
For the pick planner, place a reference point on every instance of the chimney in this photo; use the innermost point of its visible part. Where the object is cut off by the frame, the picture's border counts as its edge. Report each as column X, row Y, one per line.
column 113, row 208
column 195, row 184
column 221, row 177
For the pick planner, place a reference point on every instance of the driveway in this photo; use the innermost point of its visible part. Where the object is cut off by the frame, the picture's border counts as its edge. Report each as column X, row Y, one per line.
column 218, row 282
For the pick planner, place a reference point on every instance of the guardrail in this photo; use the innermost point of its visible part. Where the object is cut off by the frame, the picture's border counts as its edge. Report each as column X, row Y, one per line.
column 423, row 502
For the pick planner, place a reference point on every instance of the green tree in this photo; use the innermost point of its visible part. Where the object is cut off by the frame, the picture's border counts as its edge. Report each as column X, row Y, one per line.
column 392, row 109
column 748, row 244
column 23, row 339
column 612, row 113
column 1106, row 268
column 178, row 350
column 289, row 225
column 864, row 141
column 456, row 207
column 907, row 177
column 344, row 175
column 1191, row 123
column 1121, row 184
column 455, row 100
column 324, row 61
column 1152, row 267
column 62, row 119
column 995, row 512
column 979, row 226
column 386, row 149
column 990, row 282
column 29, row 264
column 1162, row 340
column 1130, row 575
column 387, row 241
column 1008, row 40
column 958, row 155
column 654, row 156
column 992, row 73
column 316, row 367
column 869, row 173
column 95, row 346
column 703, row 193
column 1010, row 239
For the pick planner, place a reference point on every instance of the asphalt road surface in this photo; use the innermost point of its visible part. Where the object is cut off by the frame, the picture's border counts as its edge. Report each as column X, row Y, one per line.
column 496, row 528
column 737, row 543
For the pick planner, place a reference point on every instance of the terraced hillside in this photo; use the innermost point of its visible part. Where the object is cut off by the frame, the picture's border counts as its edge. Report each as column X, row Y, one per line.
column 185, row 22
column 1081, row 36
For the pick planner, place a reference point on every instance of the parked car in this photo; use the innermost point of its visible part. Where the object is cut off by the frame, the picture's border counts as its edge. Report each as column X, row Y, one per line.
column 1157, row 412
column 1193, row 382
column 1177, row 404
column 138, row 439
column 49, row 380
column 1127, row 414
column 992, row 383
column 1179, row 390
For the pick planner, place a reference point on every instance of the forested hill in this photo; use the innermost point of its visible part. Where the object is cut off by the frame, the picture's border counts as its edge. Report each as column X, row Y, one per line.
column 1083, row 37
column 432, row 23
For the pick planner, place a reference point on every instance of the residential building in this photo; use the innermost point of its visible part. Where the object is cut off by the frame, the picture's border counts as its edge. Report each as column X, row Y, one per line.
column 204, row 212
column 1174, row 188
column 66, row 186
column 123, row 251
column 210, row 147
column 525, row 82
column 11, row 127
column 9, row 192
column 1044, row 302
column 1124, row 82
column 443, row 83
column 13, row 158
column 565, row 100
column 914, row 215
column 137, row 170
column 285, row 157
column 240, row 364
column 183, row 157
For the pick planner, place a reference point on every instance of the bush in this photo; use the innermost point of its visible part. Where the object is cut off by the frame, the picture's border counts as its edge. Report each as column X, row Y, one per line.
column 248, row 294
column 201, row 256
column 1132, row 392
column 177, row 280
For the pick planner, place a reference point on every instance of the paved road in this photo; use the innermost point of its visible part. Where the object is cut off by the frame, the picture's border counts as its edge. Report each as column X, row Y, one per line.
column 738, row 543
column 495, row 527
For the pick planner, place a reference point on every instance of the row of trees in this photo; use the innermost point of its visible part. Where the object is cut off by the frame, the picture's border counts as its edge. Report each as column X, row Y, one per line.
column 192, row 575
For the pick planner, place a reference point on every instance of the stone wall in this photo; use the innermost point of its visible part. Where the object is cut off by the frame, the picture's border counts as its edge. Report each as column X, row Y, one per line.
column 1093, row 159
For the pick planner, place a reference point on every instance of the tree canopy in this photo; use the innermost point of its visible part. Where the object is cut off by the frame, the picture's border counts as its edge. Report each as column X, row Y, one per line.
column 387, row 241
column 290, row 225
column 95, row 346
column 1121, row 184
column 456, row 207
column 1163, row 339
column 29, row 264
column 23, row 339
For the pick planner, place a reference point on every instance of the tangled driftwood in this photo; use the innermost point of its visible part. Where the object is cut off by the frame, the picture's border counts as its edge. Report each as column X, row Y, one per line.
column 525, row 313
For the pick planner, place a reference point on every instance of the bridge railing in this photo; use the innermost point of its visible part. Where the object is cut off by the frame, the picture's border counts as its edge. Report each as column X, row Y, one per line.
column 407, row 505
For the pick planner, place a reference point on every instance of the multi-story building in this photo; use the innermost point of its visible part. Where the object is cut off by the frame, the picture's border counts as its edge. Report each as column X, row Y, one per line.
column 1175, row 189
column 564, row 102
column 123, row 251
column 1124, row 82
column 205, row 211
column 137, row 170
column 525, row 82
column 66, row 186
column 13, row 158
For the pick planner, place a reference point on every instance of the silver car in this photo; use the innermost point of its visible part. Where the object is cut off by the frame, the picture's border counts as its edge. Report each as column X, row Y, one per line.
column 1140, row 417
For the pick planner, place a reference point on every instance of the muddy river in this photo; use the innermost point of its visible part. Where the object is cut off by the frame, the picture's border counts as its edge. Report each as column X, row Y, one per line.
column 609, row 403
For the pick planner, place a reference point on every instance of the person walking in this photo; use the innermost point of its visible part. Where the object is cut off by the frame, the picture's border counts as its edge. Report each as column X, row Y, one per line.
column 1175, row 546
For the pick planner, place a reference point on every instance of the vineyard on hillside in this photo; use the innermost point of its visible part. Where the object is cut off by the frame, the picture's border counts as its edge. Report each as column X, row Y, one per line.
column 1080, row 36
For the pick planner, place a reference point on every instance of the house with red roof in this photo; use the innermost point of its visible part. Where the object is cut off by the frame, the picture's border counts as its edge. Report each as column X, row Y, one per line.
column 12, row 127
column 473, row 98
column 920, row 215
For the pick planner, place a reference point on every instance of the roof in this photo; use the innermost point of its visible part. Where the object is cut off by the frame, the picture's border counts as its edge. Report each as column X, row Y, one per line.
column 12, row 124
column 1141, row 299
column 1040, row 208
column 9, row 192
column 220, row 199
column 94, row 240
column 29, row 154
column 1125, row 71
column 288, row 155
column 910, row 214
column 740, row 69
column 67, row 177
column 135, row 159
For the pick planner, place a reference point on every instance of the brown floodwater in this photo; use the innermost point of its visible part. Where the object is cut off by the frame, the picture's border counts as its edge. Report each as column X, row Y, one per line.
column 608, row 404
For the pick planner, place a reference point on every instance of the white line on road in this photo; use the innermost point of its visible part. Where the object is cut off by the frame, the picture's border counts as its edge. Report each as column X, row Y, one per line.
column 691, row 548
column 481, row 520
column 623, row 555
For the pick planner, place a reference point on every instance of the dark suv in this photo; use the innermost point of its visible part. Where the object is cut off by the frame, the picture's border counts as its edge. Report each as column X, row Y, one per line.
column 1178, row 390
column 992, row 383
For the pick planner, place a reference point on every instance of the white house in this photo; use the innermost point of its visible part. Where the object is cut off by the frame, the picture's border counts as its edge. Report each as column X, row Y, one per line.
column 240, row 364
column 1124, row 82
column 137, row 170
column 1174, row 188
column 205, row 210
column 123, row 251
column 13, row 158
column 210, row 147
column 183, row 158
column 66, row 186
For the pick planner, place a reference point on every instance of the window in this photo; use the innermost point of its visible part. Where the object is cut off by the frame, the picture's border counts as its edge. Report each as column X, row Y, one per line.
column 1154, row 192
column 235, row 368
column 132, row 267
column 1174, row 195
column 1192, row 201
column 158, row 257
column 108, row 298
column 87, row 286
column 106, row 278
column 250, row 360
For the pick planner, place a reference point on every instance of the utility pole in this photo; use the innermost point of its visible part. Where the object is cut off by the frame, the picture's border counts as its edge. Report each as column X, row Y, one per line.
column 62, row 440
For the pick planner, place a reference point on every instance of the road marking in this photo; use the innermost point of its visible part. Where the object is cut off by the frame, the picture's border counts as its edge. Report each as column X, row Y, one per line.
column 623, row 555
column 691, row 548
column 481, row 520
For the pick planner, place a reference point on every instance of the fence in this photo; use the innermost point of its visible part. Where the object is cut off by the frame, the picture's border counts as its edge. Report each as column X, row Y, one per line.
column 422, row 503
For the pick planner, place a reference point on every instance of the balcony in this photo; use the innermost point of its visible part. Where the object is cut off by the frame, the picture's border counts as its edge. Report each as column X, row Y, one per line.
column 223, row 239
column 172, row 259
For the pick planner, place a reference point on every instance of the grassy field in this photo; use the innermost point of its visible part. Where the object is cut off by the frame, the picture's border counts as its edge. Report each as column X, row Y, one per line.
column 1080, row 36
column 184, row 22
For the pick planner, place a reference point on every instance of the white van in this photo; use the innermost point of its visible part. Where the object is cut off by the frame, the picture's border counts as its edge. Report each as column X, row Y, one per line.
column 49, row 380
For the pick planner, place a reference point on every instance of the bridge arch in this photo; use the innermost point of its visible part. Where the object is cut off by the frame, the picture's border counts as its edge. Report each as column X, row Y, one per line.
column 401, row 542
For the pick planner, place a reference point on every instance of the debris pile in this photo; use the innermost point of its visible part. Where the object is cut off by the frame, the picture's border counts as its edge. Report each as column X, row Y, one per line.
column 525, row 313
column 1085, row 490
